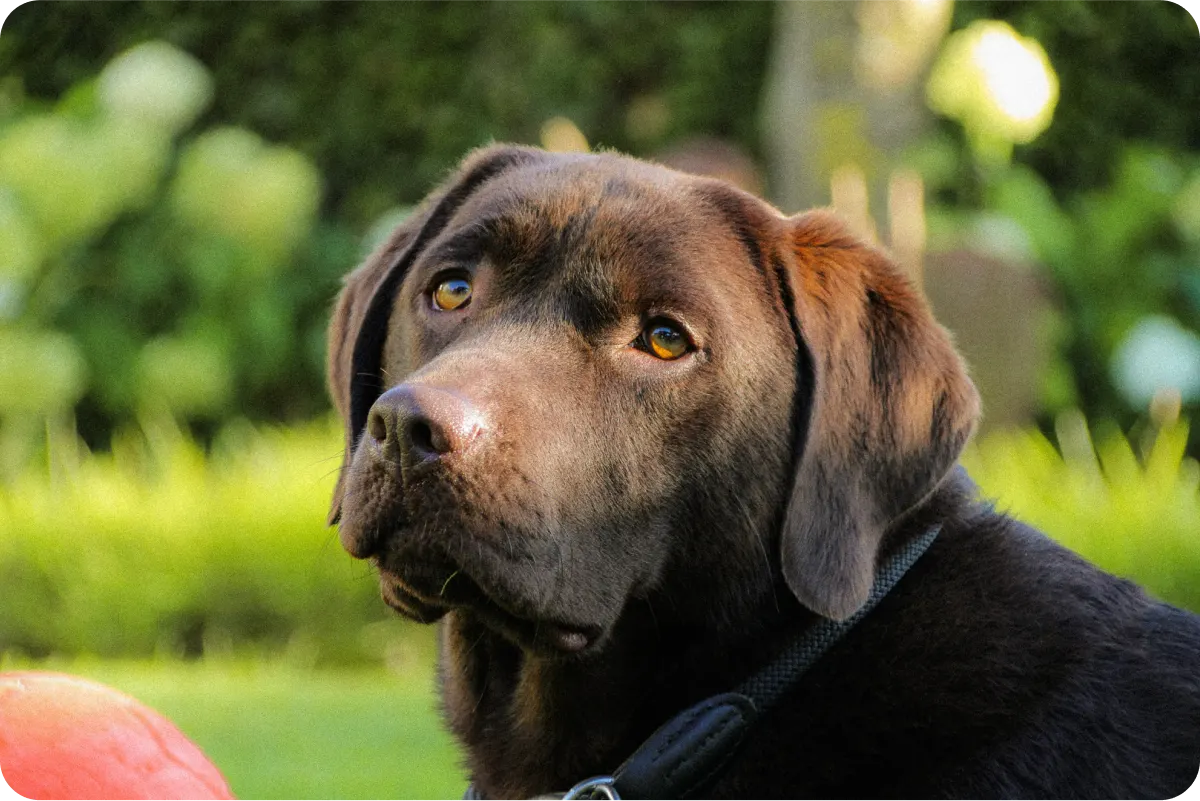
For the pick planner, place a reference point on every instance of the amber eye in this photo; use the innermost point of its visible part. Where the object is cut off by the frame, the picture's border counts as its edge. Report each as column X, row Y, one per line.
column 666, row 341
column 451, row 294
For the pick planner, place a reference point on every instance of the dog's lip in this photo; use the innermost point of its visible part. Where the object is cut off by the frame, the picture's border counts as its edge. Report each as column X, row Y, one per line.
column 399, row 598
column 412, row 595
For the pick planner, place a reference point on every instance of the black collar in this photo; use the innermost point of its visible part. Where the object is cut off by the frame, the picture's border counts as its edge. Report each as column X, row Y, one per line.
column 689, row 751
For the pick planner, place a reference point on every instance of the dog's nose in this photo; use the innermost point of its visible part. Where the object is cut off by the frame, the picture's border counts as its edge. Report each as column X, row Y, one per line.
column 414, row 423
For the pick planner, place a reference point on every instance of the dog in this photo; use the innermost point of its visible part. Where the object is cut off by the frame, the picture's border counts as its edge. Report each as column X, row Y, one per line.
column 624, row 431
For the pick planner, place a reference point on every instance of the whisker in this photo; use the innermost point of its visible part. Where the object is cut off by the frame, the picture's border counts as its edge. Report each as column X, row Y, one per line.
column 326, row 475
column 337, row 455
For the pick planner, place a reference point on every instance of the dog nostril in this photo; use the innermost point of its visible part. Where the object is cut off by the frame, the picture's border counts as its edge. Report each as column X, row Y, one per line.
column 427, row 438
column 377, row 426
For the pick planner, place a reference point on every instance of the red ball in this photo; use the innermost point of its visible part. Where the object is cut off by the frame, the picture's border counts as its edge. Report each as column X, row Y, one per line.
column 63, row 737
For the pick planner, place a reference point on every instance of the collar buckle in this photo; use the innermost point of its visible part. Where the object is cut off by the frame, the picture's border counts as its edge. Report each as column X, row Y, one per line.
column 597, row 787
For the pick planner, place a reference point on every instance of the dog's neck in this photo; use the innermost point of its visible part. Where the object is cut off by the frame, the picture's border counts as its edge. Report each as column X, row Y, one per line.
column 534, row 724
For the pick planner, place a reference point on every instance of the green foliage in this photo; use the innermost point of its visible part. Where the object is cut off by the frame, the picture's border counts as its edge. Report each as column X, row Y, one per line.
column 156, row 85
column 264, row 197
column 1135, row 517
column 1118, row 257
column 39, row 371
column 384, row 98
column 154, row 548
column 140, row 274
column 147, row 211
column 1124, row 262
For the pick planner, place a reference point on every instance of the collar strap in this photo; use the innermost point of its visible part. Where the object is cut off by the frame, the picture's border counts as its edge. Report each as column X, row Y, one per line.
column 687, row 752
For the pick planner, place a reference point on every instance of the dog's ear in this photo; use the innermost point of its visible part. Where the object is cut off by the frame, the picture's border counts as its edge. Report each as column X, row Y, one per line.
column 883, row 409
column 358, row 288
column 358, row 327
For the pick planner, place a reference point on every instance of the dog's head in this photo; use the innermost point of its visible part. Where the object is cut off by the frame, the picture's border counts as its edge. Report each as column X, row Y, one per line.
column 570, row 381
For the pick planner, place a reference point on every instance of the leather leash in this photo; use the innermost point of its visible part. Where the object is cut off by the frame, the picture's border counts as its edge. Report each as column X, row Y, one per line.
column 689, row 751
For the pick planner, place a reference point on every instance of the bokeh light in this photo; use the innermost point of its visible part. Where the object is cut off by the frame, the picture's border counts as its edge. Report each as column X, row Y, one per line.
column 560, row 135
column 157, row 84
column 998, row 84
column 1158, row 354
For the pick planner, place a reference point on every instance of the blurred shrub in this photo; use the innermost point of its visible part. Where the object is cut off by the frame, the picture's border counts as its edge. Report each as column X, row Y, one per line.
column 187, row 376
column 155, row 549
column 1119, row 260
column 141, row 272
column 74, row 176
column 156, row 85
column 1135, row 516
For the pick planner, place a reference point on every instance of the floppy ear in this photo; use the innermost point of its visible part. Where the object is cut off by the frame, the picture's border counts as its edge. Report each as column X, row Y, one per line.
column 358, row 289
column 883, row 417
column 358, row 327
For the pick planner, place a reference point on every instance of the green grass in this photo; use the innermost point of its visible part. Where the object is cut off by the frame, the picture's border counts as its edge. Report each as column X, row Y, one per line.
column 277, row 731
column 1131, row 508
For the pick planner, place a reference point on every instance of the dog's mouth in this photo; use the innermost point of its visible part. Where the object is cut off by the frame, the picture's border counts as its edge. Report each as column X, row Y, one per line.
column 424, row 590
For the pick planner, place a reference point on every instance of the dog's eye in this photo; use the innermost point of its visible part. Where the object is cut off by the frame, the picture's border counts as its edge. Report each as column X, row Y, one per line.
column 451, row 294
column 665, row 340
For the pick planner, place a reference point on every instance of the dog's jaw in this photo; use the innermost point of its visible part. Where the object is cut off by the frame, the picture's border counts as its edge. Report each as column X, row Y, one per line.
column 424, row 584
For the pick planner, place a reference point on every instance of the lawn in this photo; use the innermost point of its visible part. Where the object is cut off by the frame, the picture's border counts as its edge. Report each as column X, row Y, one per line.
column 278, row 731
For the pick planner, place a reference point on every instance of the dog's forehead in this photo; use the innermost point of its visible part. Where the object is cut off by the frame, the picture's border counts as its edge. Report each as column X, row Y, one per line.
column 604, row 219
column 557, row 189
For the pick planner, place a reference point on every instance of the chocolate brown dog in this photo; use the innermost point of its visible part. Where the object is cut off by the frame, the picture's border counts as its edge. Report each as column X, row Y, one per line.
column 624, row 430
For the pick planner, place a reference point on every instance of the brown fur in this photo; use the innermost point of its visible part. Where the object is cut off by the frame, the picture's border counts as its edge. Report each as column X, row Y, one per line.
column 892, row 411
column 609, row 538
